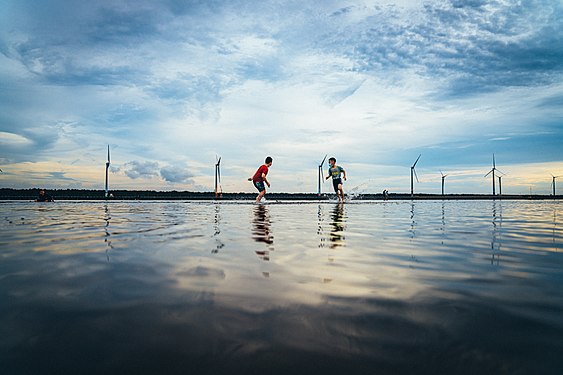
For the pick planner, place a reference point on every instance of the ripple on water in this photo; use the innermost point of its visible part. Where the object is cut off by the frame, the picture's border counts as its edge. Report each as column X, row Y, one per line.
column 455, row 286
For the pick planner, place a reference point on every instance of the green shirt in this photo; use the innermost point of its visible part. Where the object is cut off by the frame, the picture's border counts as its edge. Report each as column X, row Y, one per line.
column 335, row 172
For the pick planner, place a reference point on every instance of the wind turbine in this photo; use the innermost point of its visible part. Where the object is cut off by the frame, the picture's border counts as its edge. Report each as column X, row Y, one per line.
column 500, row 184
column 321, row 174
column 493, row 172
column 107, row 168
column 443, row 179
column 413, row 172
column 553, row 183
column 218, row 178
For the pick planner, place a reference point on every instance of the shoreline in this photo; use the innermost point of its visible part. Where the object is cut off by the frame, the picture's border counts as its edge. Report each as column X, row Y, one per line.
column 138, row 195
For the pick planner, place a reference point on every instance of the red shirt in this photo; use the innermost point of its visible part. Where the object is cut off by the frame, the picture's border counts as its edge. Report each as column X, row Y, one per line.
column 258, row 175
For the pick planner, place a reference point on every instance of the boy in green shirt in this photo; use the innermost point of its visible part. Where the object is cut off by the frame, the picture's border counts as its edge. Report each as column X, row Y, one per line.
column 335, row 171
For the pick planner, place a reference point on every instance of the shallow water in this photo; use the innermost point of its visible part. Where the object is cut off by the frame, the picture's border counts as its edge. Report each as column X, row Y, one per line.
column 198, row 287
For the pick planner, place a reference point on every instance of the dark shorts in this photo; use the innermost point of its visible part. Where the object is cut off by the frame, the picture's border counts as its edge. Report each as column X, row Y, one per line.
column 259, row 185
column 336, row 182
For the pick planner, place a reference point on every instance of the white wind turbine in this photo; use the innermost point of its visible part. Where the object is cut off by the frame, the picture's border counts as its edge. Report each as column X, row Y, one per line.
column 413, row 173
column 218, row 189
column 107, row 169
column 553, row 183
column 321, row 174
column 443, row 179
column 493, row 173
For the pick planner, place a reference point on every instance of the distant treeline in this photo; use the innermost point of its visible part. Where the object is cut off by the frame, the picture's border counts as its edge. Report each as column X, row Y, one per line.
column 82, row 194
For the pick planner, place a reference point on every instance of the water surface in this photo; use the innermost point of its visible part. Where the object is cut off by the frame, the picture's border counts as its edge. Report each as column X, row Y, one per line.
column 199, row 287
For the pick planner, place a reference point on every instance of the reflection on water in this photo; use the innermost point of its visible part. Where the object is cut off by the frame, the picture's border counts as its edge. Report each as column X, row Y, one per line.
column 107, row 240
column 338, row 221
column 261, row 231
column 555, row 244
column 496, row 241
column 217, row 230
column 373, row 287
column 336, row 226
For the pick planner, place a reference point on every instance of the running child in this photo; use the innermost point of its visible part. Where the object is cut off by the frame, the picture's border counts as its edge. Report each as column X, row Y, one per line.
column 259, row 178
column 336, row 171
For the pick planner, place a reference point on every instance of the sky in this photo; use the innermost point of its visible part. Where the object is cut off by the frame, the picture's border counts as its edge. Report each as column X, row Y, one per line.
column 171, row 85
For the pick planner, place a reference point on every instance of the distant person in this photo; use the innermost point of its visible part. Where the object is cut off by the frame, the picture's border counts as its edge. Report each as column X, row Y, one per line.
column 259, row 179
column 336, row 171
column 385, row 195
column 43, row 197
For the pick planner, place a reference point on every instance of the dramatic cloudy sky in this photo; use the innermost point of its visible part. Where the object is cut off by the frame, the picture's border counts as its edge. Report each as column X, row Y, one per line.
column 170, row 84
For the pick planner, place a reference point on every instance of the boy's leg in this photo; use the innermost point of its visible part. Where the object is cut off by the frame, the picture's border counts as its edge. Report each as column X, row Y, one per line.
column 260, row 196
column 341, row 192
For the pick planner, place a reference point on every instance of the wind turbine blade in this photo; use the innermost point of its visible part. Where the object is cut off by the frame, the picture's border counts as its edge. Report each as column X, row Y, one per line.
column 414, row 170
column 501, row 172
column 322, row 162
column 441, row 173
column 219, row 161
column 491, row 171
column 494, row 164
column 108, row 154
column 414, row 165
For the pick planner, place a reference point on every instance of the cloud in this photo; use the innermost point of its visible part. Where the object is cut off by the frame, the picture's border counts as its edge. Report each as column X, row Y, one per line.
column 176, row 174
column 149, row 170
column 136, row 169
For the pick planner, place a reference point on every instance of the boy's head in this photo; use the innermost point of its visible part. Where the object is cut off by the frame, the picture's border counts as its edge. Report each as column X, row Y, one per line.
column 332, row 161
column 268, row 160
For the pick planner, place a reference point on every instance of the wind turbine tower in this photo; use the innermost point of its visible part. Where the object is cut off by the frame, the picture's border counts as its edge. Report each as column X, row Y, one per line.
column 553, row 183
column 107, row 169
column 218, row 179
column 443, row 179
column 499, row 185
column 413, row 173
column 492, row 171
column 321, row 174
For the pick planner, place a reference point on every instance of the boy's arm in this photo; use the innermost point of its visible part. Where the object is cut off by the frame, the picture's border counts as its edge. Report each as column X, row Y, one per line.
column 344, row 172
column 265, row 179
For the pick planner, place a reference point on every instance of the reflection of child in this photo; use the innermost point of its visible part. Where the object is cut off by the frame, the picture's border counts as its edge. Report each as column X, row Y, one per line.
column 335, row 171
column 259, row 178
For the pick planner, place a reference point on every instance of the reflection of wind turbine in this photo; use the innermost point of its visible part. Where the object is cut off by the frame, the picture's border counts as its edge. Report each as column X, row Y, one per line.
column 443, row 179
column 218, row 178
column 321, row 173
column 413, row 172
column 553, row 183
column 493, row 172
column 107, row 168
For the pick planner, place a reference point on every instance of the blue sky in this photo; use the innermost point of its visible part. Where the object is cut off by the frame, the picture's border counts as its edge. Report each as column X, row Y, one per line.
column 170, row 84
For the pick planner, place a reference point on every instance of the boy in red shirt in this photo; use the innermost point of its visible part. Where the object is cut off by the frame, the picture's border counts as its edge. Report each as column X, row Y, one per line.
column 259, row 178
